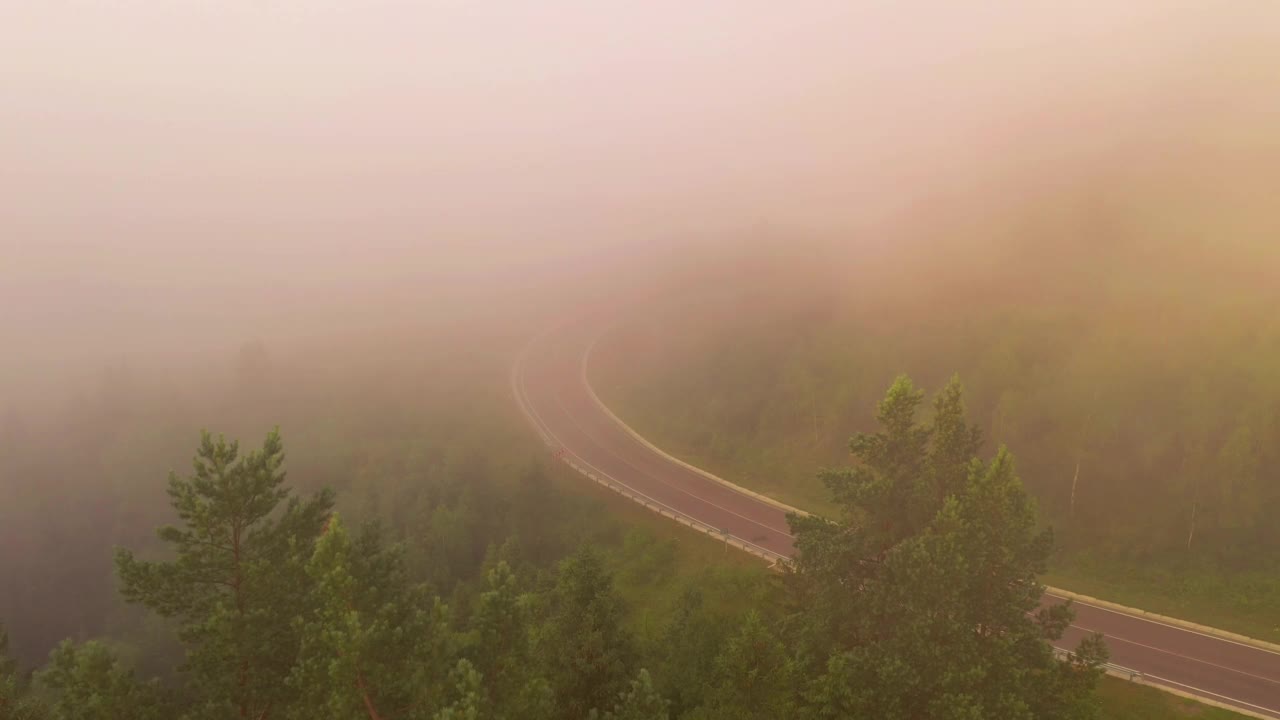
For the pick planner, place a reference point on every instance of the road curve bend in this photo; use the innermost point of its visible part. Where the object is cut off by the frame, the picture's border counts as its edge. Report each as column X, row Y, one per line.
column 551, row 387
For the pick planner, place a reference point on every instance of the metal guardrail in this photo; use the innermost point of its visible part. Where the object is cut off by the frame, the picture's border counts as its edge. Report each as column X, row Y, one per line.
column 582, row 466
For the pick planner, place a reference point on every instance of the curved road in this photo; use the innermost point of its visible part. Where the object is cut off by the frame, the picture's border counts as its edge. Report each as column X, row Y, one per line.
column 550, row 384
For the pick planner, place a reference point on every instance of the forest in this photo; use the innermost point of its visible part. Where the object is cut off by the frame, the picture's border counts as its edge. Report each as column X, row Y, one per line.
column 410, row 578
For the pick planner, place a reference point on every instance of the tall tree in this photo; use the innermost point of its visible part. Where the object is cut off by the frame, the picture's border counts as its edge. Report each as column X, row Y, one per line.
column 689, row 648
column 469, row 701
column 1237, row 472
column 752, row 679
column 955, row 441
column 640, row 701
column 237, row 579
column 927, row 591
column 882, row 500
column 499, row 645
column 89, row 683
column 372, row 644
column 588, row 652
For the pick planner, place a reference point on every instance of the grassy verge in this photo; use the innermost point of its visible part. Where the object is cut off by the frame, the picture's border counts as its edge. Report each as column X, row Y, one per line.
column 1123, row 700
column 1213, row 602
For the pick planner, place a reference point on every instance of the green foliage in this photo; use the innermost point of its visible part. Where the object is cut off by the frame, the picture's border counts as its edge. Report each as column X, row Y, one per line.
column 16, row 699
column 588, row 652
column 89, row 683
column 370, row 641
column 1124, row 700
column 753, row 677
column 237, row 580
column 357, row 633
column 688, row 650
column 499, row 645
column 641, row 701
column 8, row 665
column 878, row 638
column 469, row 704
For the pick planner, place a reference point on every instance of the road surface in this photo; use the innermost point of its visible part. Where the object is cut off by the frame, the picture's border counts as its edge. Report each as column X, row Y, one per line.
column 550, row 383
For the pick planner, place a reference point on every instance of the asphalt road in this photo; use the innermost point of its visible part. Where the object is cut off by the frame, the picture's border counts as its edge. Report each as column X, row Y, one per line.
column 551, row 383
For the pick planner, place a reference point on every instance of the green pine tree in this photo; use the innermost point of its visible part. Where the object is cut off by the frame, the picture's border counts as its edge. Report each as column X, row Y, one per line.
column 89, row 683
column 688, row 651
column 925, row 593
column 237, row 580
column 500, row 647
column 373, row 645
column 753, row 676
column 588, row 653
column 640, row 701
column 468, row 689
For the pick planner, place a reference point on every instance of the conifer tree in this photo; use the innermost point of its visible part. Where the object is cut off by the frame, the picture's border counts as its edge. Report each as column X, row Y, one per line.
column 373, row 645
column 923, row 600
column 237, row 579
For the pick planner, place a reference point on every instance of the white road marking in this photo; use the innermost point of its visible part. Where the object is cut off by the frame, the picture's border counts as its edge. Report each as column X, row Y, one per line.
column 545, row 429
column 1229, row 699
column 1180, row 655
column 1164, row 624
column 651, row 476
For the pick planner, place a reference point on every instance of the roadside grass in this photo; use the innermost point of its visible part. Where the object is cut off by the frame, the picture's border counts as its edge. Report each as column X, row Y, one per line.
column 1227, row 602
column 1123, row 700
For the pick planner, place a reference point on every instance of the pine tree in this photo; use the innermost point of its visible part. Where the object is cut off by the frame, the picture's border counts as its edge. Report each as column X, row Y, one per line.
column 587, row 651
column 954, row 442
column 752, row 677
column 926, row 593
column 372, row 645
column 884, row 499
column 689, row 648
column 640, row 701
column 467, row 686
column 500, row 648
column 89, row 683
column 237, row 579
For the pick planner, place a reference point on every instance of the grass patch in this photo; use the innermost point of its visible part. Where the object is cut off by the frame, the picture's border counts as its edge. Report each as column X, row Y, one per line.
column 1123, row 700
column 1212, row 601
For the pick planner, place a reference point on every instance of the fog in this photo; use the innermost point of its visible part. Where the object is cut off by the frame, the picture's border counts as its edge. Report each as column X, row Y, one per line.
column 345, row 217
column 187, row 175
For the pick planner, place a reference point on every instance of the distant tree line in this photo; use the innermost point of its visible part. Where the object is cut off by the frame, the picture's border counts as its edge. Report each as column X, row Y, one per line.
column 1141, row 392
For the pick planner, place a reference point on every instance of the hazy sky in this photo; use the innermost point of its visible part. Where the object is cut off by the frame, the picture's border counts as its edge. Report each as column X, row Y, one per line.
column 234, row 165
